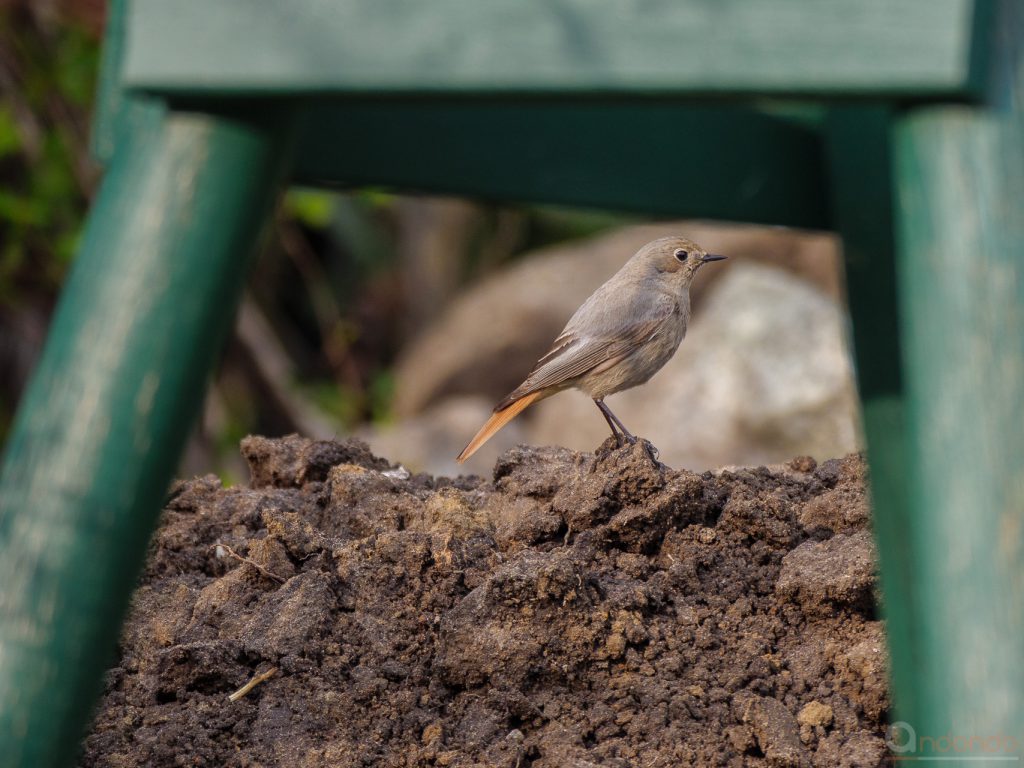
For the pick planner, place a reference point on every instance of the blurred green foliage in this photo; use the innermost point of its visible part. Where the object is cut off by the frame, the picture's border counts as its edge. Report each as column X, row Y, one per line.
column 331, row 284
column 311, row 207
column 49, row 55
column 46, row 179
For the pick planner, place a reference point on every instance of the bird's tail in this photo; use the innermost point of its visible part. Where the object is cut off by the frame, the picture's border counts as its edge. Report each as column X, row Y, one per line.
column 499, row 419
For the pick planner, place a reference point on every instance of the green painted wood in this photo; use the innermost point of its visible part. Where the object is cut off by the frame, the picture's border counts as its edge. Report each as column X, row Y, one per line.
column 119, row 113
column 712, row 162
column 960, row 182
column 913, row 48
column 102, row 424
column 859, row 150
column 110, row 106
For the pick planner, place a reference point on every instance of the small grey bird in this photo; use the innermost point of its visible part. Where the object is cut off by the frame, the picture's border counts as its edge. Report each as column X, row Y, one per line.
column 621, row 336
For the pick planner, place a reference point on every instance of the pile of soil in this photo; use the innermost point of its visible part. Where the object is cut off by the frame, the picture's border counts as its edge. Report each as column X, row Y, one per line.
column 576, row 610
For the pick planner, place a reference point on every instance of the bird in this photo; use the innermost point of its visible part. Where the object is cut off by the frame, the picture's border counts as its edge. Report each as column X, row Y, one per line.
column 618, row 338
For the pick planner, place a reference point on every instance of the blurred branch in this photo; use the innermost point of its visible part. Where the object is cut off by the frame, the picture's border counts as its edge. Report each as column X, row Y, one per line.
column 271, row 363
column 505, row 240
column 29, row 128
column 85, row 171
column 434, row 236
column 330, row 323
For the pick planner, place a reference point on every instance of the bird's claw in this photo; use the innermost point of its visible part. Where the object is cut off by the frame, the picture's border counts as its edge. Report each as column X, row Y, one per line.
column 649, row 448
column 653, row 453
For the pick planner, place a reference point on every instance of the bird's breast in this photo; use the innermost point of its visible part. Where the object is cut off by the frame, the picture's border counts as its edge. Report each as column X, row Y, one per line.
column 639, row 364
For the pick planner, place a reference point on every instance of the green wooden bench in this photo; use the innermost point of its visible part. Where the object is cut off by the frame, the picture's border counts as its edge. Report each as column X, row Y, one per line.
column 895, row 122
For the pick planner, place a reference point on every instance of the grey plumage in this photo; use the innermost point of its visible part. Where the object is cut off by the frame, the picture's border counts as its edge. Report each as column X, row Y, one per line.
column 620, row 337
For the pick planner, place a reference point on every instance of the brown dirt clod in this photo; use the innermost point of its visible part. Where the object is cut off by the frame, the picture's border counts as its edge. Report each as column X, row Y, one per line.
column 578, row 610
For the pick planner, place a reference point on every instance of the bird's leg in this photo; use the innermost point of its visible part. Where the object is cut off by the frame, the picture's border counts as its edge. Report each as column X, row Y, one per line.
column 621, row 433
column 618, row 423
column 607, row 417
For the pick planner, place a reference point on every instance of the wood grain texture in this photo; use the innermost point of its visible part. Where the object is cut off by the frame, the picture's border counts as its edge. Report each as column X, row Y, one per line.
column 101, row 426
column 111, row 108
column 915, row 48
column 960, row 183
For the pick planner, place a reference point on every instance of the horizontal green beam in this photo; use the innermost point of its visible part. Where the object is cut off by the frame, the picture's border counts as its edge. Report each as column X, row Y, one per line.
column 711, row 162
column 914, row 48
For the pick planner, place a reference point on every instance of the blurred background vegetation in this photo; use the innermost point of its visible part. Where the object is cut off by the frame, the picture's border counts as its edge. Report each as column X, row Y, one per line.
column 343, row 280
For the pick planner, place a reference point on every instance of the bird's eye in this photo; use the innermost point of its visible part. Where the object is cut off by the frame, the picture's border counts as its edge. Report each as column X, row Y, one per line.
column 681, row 255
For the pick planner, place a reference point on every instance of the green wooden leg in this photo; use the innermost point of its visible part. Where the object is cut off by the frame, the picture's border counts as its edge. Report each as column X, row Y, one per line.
column 960, row 186
column 101, row 427
column 860, row 161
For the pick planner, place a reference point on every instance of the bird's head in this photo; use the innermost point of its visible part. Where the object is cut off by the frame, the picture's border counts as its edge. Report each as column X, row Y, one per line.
column 676, row 258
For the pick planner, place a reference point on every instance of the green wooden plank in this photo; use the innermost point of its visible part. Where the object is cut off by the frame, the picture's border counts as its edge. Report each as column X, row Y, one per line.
column 860, row 159
column 119, row 113
column 110, row 106
column 102, row 424
column 712, row 162
column 906, row 47
column 960, row 175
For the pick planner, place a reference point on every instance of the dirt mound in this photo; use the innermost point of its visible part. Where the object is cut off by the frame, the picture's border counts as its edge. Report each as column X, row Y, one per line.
column 578, row 610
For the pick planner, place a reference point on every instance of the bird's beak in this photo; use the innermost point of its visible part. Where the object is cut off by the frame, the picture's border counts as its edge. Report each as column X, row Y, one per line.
column 713, row 257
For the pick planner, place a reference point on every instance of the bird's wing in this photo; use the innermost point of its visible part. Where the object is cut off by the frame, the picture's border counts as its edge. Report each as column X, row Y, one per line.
column 572, row 354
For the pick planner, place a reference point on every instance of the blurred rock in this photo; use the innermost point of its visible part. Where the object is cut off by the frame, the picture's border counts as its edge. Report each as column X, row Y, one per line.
column 489, row 338
column 762, row 376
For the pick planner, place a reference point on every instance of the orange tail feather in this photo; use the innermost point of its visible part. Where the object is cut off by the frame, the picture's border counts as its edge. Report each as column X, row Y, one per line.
column 498, row 420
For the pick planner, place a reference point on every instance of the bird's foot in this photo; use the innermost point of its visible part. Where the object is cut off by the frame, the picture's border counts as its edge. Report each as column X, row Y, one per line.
column 625, row 439
column 653, row 453
column 615, row 444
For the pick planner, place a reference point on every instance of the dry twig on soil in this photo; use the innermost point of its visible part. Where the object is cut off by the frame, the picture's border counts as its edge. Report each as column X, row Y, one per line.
column 260, row 678
column 249, row 561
